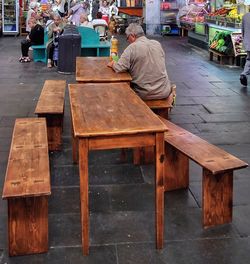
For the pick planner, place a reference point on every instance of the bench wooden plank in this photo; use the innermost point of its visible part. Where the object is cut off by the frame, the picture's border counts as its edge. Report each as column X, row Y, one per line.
column 28, row 165
column 205, row 154
column 218, row 167
column 52, row 96
column 51, row 106
column 27, row 187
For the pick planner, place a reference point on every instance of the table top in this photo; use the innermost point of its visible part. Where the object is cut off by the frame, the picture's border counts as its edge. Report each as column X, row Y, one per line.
column 106, row 109
column 95, row 69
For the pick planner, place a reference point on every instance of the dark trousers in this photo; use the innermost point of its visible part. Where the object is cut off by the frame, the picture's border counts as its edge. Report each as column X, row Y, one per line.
column 50, row 50
column 25, row 44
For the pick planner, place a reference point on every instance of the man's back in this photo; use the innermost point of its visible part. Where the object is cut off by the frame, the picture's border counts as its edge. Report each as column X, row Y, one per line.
column 145, row 60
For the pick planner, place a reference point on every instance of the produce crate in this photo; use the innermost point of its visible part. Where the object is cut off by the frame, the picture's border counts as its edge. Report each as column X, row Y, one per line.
column 237, row 41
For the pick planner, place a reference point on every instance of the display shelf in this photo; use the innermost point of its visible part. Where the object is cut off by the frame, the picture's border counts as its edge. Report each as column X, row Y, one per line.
column 168, row 13
column 10, row 16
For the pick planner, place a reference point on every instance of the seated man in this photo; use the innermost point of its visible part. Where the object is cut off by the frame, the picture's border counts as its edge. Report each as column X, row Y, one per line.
column 54, row 30
column 35, row 37
column 145, row 61
column 84, row 22
column 100, row 25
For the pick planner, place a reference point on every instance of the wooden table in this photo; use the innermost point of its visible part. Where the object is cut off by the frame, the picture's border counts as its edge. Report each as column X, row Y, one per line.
column 108, row 116
column 95, row 69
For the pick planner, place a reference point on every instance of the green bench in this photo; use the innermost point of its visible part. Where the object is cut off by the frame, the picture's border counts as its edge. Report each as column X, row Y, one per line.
column 91, row 46
column 39, row 51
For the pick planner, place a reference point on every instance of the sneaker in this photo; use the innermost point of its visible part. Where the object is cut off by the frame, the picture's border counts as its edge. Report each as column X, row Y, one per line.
column 243, row 80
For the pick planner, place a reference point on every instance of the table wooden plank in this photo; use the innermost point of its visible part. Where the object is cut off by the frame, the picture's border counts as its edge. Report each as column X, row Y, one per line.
column 28, row 164
column 51, row 100
column 104, row 109
column 94, row 69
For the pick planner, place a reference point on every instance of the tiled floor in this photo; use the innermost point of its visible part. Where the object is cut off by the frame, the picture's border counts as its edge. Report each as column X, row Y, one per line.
column 210, row 102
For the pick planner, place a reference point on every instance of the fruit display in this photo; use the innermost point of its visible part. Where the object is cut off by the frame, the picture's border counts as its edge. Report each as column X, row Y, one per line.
column 237, row 40
column 222, row 43
column 225, row 16
column 193, row 13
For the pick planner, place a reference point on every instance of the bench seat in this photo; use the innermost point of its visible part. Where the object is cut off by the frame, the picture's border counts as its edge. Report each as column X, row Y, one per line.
column 27, row 187
column 218, row 167
column 91, row 46
column 40, row 51
column 51, row 106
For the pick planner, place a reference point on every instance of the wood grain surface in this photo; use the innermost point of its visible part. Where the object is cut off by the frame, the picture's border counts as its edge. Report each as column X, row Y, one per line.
column 95, row 69
column 51, row 99
column 205, row 154
column 104, row 109
column 28, row 165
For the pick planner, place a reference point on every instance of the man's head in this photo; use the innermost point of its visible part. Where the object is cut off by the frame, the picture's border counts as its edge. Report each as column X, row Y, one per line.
column 134, row 31
column 57, row 20
column 32, row 22
column 83, row 18
column 104, row 3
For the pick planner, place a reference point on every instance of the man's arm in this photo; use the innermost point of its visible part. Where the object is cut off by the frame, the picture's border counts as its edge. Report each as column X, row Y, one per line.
column 123, row 63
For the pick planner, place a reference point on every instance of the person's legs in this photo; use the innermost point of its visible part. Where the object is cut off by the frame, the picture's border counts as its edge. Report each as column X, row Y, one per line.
column 25, row 44
column 246, row 71
column 50, row 50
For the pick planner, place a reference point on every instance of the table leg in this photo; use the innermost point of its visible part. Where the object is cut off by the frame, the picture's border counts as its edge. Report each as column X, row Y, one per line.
column 84, row 193
column 159, row 190
column 74, row 147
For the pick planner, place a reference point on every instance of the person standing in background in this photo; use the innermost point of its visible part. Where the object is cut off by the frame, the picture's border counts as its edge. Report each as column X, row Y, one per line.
column 76, row 11
column 246, row 42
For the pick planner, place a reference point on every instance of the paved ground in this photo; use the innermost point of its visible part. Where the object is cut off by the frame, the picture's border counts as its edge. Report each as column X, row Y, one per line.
column 210, row 102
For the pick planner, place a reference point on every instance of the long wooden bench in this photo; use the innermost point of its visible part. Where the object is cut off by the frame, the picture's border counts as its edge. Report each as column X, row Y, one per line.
column 27, row 187
column 51, row 106
column 217, row 179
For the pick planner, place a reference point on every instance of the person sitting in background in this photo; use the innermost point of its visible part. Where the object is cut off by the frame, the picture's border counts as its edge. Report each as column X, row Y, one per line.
column 76, row 11
column 35, row 37
column 144, row 59
column 54, row 30
column 32, row 12
column 84, row 22
column 100, row 25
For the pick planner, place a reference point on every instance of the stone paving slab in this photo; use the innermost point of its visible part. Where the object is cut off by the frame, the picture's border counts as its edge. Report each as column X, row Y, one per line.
column 210, row 103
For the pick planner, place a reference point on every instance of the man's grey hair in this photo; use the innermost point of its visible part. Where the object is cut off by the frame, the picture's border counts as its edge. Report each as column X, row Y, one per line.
column 135, row 29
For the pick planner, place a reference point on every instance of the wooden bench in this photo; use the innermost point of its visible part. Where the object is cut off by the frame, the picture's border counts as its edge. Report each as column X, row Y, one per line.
column 91, row 46
column 161, row 107
column 27, row 187
column 217, row 179
column 51, row 106
column 222, row 58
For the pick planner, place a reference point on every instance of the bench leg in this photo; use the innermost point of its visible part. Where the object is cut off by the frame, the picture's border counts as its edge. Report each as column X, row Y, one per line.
column 176, row 169
column 28, row 225
column 217, row 198
column 211, row 55
column 54, row 130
